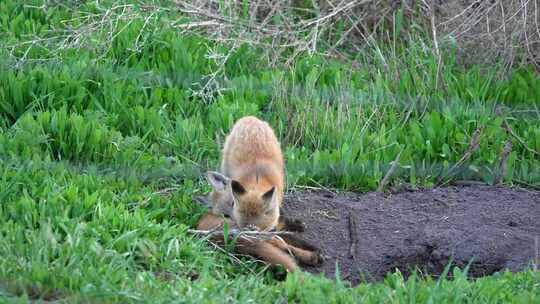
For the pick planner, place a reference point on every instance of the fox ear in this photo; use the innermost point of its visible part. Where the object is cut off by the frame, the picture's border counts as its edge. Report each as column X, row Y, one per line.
column 237, row 188
column 268, row 197
column 217, row 180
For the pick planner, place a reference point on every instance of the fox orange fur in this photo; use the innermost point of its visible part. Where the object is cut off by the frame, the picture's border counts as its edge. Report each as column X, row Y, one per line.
column 251, row 183
column 275, row 251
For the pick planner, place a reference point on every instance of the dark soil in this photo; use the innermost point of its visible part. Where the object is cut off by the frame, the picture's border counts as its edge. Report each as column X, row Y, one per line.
column 493, row 228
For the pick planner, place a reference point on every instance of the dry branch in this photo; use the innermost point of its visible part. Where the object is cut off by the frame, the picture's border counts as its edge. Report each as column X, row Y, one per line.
column 536, row 254
column 503, row 164
column 474, row 144
column 353, row 235
column 505, row 29
column 390, row 172
column 510, row 131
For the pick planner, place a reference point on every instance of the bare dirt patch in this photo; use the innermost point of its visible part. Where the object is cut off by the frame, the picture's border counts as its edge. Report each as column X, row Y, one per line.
column 368, row 235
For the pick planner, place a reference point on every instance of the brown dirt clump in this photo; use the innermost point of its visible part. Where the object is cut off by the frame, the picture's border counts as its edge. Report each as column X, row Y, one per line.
column 369, row 235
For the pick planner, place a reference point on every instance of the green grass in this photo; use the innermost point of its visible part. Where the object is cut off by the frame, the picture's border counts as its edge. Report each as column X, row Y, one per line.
column 102, row 149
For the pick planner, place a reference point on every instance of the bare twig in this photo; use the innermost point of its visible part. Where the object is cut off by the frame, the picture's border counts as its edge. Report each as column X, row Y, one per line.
column 510, row 131
column 536, row 254
column 468, row 183
column 166, row 191
column 336, row 11
column 333, row 193
column 81, row 32
column 190, row 25
column 390, row 172
column 474, row 144
column 435, row 44
column 231, row 256
column 503, row 28
column 503, row 164
column 341, row 28
column 527, row 185
column 353, row 235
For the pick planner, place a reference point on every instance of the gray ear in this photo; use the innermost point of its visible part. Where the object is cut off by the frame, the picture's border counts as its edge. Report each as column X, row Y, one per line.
column 217, row 180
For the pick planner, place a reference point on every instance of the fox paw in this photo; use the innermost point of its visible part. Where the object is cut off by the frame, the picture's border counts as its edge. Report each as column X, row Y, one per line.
column 295, row 225
column 316, row 259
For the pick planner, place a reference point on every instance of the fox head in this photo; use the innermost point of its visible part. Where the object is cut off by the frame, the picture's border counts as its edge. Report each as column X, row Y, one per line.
column 248, row 207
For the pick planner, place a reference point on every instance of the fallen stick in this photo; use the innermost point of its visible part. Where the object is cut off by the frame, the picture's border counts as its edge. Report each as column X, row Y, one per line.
column 390, row 172
column 467, row 183
column 510, row 131
column 474, row 144
column 503, row 164
column 536, row 255
column 353, row 236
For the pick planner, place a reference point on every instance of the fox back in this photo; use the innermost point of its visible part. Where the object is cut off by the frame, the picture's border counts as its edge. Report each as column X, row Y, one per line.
column 251, row 186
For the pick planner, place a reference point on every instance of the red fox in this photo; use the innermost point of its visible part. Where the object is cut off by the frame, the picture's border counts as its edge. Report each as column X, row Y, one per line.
column 275, row 251
column 251, row 182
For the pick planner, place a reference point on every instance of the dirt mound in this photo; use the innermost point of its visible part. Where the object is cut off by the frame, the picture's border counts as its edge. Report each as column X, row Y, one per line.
column 493, row 228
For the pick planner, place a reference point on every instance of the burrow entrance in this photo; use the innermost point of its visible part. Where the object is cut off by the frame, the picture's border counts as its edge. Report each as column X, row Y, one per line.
column 369, row 235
